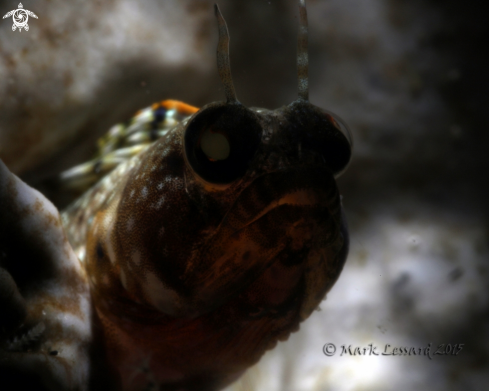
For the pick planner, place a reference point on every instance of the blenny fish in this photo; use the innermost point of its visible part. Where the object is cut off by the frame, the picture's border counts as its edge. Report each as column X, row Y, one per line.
column 205, row 237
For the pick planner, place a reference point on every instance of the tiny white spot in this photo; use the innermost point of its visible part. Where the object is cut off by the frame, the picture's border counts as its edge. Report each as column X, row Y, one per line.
column 160, row 186
column 161, row 232
column 130, row 224
column 81, row 254
column 160, row 202
column 144, row 192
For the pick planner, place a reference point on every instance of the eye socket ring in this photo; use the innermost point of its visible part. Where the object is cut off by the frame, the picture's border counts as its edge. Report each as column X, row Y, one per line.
column 343, row 150
column 321, row 131
column 221, row 140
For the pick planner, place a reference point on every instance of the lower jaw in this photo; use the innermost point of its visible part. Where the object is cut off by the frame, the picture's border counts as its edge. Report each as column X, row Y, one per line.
column 205, row 353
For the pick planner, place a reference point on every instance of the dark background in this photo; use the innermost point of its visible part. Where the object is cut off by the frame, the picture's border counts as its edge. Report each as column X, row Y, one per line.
column 410, row 78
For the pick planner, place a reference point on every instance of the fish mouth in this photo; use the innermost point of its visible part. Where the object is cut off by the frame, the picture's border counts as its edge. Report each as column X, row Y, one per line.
column 277, row 211
column 306, row 187
column 299, row 198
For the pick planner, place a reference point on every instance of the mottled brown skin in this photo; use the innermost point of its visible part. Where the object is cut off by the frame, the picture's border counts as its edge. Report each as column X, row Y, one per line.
column 194, row 280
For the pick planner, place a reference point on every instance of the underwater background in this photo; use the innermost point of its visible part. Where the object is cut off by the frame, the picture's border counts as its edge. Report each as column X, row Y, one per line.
column 410, row 79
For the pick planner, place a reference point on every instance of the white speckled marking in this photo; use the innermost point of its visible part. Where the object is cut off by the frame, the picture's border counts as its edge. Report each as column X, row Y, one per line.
column 160, row 203
column 130, row 224
column 144, row 192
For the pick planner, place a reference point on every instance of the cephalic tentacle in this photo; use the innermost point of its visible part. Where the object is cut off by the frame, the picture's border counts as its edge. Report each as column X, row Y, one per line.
column 223, row 62
column 302, row 54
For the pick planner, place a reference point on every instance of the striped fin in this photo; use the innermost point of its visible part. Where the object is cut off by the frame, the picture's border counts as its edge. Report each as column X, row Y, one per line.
column 124, row 141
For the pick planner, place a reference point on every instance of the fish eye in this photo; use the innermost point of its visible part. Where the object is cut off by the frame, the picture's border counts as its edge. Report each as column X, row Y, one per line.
column 221, row 140
column 321, row 131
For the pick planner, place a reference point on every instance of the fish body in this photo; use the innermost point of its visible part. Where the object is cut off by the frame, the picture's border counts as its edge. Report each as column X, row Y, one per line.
column 195, row 279
column 205, row 247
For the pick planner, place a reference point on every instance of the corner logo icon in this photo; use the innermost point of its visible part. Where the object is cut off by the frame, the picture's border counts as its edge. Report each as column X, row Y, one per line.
column 20, row 17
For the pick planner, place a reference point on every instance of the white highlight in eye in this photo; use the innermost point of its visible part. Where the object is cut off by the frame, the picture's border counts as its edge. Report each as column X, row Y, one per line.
column 215, row 145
